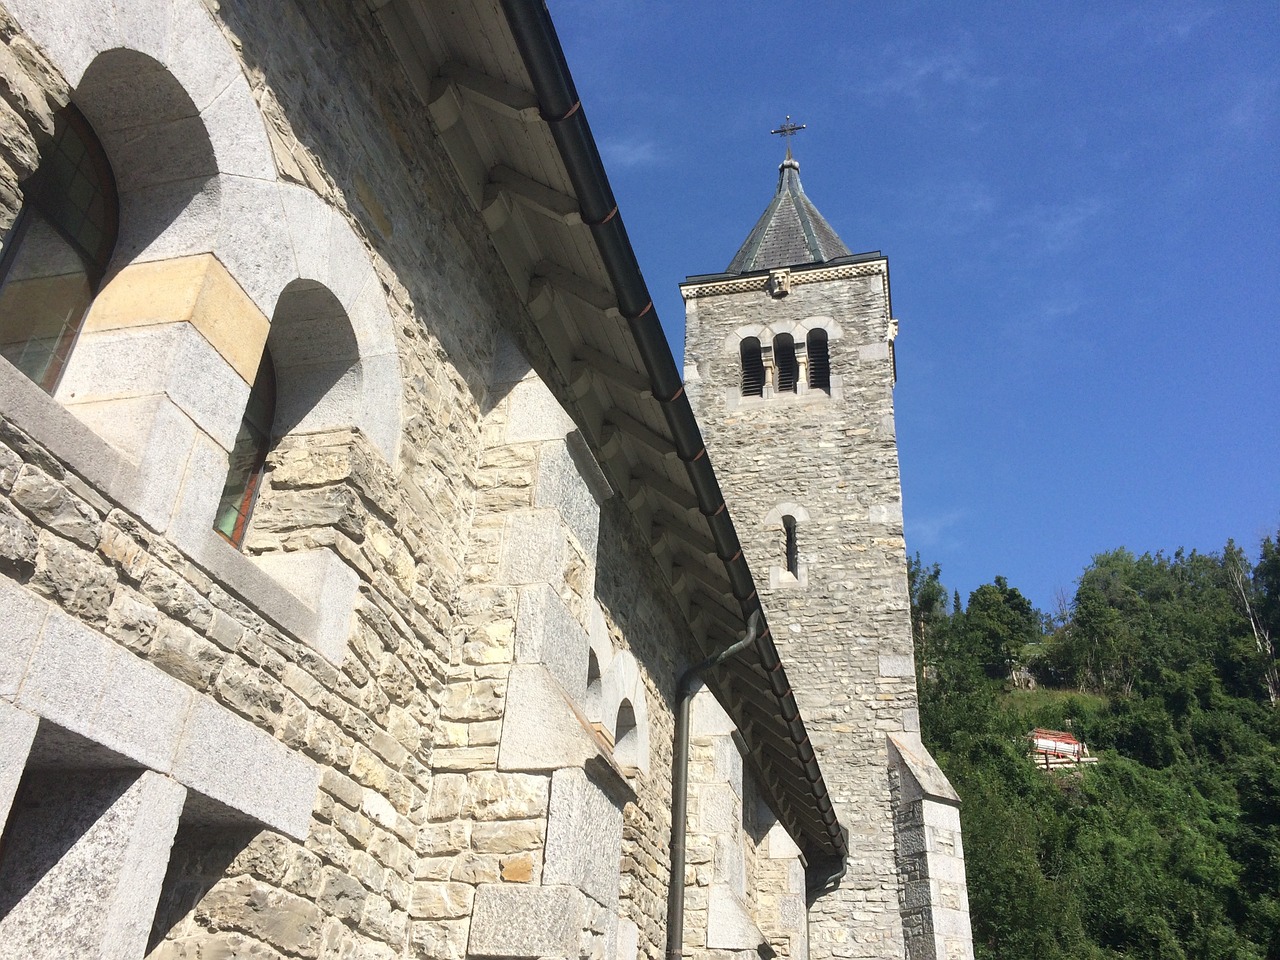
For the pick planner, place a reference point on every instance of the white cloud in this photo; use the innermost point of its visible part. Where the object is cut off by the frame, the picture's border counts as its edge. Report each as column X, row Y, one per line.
column 915, row 74
column 629, row 151
column 1053, row 228
column 929, row 534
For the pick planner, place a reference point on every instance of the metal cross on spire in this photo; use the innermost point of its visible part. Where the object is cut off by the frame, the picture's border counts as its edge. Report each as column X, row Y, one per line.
column 787, row 131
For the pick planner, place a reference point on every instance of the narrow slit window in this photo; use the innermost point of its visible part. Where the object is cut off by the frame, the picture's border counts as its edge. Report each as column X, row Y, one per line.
column 791, row 547
column 248, row 457
column 752, row 368
column 784, row 358
column 56, row 253
column 819, row 361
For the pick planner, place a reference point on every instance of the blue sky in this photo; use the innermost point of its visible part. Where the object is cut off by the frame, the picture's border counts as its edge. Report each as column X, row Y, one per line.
column 1081, row 208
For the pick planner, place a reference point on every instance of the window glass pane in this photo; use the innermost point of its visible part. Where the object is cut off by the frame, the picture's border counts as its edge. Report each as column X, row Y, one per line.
column 57, row 252
column 248, row 456
column 241, row 488
column 45, row 293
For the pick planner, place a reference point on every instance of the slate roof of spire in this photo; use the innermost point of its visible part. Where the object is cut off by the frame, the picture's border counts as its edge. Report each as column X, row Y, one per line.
column 790, row 233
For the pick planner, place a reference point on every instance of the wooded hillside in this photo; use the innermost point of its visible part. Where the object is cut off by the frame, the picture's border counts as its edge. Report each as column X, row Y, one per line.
column 1168, row 847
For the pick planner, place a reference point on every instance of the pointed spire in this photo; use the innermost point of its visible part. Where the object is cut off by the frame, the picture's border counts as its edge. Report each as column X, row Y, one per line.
column 791, row 232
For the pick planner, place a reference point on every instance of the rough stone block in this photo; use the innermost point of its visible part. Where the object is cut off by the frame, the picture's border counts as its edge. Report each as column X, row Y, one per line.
column 897, row 665
column 584, row 837
column 85, row 863
column 533, row 548
column 729, row 924
column 541, row 729
column 232, row 761
column 24, row 615
column 547, row 633
column 524, row 921
column 505, row 796
column 17, row 731
column 562, row 486
column 536, row 414
column 730, row 866
column 718, row 810
column 54, row 506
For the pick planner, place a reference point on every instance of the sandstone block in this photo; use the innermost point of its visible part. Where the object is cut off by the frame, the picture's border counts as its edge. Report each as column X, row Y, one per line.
column 505, row 796
column 441, row 901
column 288, row 923
column 507, row 836
column 53, row 505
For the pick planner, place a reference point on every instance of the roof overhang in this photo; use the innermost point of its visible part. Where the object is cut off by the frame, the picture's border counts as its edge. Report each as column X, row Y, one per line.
column 498, row 94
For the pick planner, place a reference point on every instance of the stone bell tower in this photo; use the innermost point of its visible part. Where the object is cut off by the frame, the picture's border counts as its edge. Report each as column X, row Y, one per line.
column 789, row 364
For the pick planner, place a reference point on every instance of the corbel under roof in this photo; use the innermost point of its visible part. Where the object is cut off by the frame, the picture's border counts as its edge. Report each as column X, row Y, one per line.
column 494, row 82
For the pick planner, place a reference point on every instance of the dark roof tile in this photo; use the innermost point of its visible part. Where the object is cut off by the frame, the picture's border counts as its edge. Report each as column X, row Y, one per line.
column 790, row 233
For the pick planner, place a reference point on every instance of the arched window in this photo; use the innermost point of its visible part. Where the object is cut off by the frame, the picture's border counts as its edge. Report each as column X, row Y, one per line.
column 784, row 358
column 626, row 738
column 791, row 548
column 752, row 368
column 593, row 701
column 56, row 253
column 248, row 456
column 819, row 360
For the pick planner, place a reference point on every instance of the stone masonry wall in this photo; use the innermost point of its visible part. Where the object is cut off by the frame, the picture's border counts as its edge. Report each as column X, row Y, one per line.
column 844, row 628
column 414, row 814
column 352, row 889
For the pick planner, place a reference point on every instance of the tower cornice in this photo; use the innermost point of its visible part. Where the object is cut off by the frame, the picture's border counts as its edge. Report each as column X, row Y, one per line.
column 718, row 284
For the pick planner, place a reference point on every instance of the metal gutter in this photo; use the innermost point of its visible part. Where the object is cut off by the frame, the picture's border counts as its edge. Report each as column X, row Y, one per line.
column 561, row 109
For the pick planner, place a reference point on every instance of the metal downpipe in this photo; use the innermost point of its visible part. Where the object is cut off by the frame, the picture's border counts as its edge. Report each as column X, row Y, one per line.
column 680, row 785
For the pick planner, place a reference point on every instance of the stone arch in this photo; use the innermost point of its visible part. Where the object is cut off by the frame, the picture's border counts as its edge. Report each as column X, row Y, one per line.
column 165, row 91
column 626, row 744
column 774, row 517
column 829, row 324
column 599, row 659
column 622, row 683
column 317, row 360
column 798, row 329
column 325, row 251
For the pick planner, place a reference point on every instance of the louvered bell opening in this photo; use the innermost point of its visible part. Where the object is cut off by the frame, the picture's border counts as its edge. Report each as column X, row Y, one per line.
column 784, row 359
column 752, row 368
column 819, row 361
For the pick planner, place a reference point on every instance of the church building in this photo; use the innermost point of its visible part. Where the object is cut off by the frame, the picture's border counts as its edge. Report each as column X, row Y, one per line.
column 372, row 583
